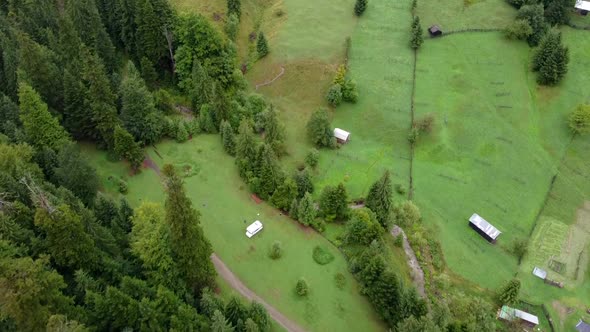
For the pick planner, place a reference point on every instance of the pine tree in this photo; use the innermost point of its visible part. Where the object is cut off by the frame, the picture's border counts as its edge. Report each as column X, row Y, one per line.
column 148, row 73
column 75, row 173
column 551, row 59
column 306, row 212
column 304, row 183
column 201, row 92
column 284, row 194
column 126, row 147
column 138, row 111
column 228, row 138
column 190, row 247
column 268, row 171
column 359, row 7
column 206, row 121
column 245, row 149
column 99, row 98
column 509, row 293
column 231, row 26
column 262, row 46
column 234, row 7
column 149, row 36
column 293, row 209
column 334, row 203
column 41, row 128
column 274, row 131
column 417, row 38
column 379, row 200
column 319, row 130
column 219, row 323
column 259, row 315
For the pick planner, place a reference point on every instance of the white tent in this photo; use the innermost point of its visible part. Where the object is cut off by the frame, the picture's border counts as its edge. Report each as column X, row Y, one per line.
column 582, row 5
column 254, row 228
column 341, row 135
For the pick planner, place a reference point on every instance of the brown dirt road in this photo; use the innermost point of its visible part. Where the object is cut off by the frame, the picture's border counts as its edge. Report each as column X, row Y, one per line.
column 237, row 284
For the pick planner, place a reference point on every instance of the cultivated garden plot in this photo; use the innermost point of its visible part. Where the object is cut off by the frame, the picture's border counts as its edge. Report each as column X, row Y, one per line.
column 227, row 209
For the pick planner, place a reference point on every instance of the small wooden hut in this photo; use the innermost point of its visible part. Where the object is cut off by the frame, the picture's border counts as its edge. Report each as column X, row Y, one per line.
column 435, row 31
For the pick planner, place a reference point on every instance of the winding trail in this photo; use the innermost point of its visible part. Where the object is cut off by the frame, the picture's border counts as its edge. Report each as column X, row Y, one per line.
column 237, row 284
column 417, row 273
column 271, row 81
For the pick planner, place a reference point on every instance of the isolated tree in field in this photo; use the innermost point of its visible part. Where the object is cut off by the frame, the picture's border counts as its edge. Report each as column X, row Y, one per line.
column 306, row 212
column 228, row 138
column 232, row 25
column 126, row 148
column 319, row 129
column 41, row 128
column 334, row 95
column 234, row 7
column 334, row 203
column 190, row 248
column 579, row 119
column 551, row 59
column 509, row 293
column 276, row 250
column 302, row 288
column 417, row 34
column 359, row 7
column 284, row 194
column 379, row 199
column 262, row 45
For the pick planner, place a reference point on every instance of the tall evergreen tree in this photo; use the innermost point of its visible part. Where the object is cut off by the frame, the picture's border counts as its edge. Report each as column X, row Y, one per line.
column 319, row 129
column 126, row 147
column 284, row 194
column 245, row 149
column 138, row 111
column 334, row 203
column 100, row 99
column 41, row 128
column 268, row 171
column 306, row 212
column 149, row 33
column 551, row 59
column 274, row 131
column 417, row 38
column 379, row 199
column 533, row 14
column 304, row 183
column 228, row 138
column 262, row 45
column 508, row 295
column 219, row 323
column 201, row 91
column 8, row 59
column 359, row 7
column 75, row 173
column 190, row 248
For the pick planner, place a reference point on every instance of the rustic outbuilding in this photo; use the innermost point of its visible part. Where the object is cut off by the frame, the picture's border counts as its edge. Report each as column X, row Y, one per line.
column 583, row 7
column 435, row 31
column 484, row 228
column 342, row 136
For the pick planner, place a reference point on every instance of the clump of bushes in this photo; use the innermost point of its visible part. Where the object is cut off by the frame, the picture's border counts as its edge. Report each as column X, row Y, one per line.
column 340, row 280
column 519, row 29
column 312, row 158
column 302, row 289
column 322, row 256
column 342, row 89
column 123, row 188
column 334, row 95
column 276, row 250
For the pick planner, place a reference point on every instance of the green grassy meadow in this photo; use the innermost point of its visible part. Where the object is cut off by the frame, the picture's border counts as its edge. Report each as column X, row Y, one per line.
column 465, row 14
column 226, row 210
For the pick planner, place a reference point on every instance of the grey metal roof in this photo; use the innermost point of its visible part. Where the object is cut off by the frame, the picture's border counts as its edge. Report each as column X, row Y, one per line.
column 485, row 226
column 582, row 327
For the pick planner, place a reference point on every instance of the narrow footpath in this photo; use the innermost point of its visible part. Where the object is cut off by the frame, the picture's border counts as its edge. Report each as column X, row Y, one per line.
column 417, row 273
column 237, row 284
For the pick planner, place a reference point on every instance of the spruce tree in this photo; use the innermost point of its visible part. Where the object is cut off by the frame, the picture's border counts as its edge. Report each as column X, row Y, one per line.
column 306, row 212
column 293, row 209
column 334, row 203
column 148, row 73
column 533, row 14
column 417, row 38
column 219, row 323
column 190, row 248
column 359, row 7
column 41, row 128
column 149, row 37
column 284, row 194
column 304, row 183
column 234, row 7
column 268, row 171
column 138, row 111
column 206, row 121
column 231, row 26
column 228, row 138
column 76, row 174
column 551, row 59
column 262, row 46
column 201, row 91
column 126, row 147
column 274, row 131
column 319, row 129
column 508, row 295
column 77, row 118
column 379, row 199
column 245, row 149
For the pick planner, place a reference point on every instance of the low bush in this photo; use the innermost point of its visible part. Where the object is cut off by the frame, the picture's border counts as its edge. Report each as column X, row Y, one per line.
column 123, row 188
column 276, row 250
column 302, row 289
column 322, row 256
column 340, row 280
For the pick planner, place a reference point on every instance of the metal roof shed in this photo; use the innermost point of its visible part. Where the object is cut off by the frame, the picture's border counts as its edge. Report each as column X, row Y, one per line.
column 510, row 314
column 341, row 135
column 582, row 5
column 582, row 327
column 538, row 272
column 484, row 228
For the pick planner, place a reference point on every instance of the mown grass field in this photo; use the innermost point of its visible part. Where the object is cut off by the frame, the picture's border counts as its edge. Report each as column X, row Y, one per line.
column 227, row 209
column 465, row 14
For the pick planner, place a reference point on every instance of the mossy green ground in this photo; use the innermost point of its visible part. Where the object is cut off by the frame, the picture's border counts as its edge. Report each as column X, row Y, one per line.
column 226, row 210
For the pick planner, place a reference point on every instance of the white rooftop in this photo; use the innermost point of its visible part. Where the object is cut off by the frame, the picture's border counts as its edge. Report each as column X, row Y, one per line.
column 540, row 273
column 341, row 134
column 485, row 226
column 254, row 228
column 526, row 316
column 582, row 5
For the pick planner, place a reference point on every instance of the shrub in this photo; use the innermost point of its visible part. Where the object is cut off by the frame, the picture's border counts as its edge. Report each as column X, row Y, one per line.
column 413, row 135
column 302, row 289
column 400, row 189
column 276, row 250
column 319, row 225
column 359, row 7
column 312, row 157
column 340, row 280
column 181, row 133
column 579, row 120
column 519, row 29
column 406, row 214
column 232, row 25
column 398, row 241
column 519, row 248
column 123, row 188
column 262, row 46
column 334, row 95
column 349, row 93
column 340, row 75
column 425, row 123
column 322, row 256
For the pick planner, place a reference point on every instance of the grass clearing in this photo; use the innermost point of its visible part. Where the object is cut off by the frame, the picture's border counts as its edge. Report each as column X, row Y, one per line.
column 466, row 14
column 226, row 209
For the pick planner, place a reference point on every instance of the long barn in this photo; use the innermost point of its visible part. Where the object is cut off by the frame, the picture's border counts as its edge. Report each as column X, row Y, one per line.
column 484, row 228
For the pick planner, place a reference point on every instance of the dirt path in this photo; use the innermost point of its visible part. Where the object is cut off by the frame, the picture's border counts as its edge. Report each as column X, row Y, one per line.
column 417, row 273
column 236, row 284
column 271, row 81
